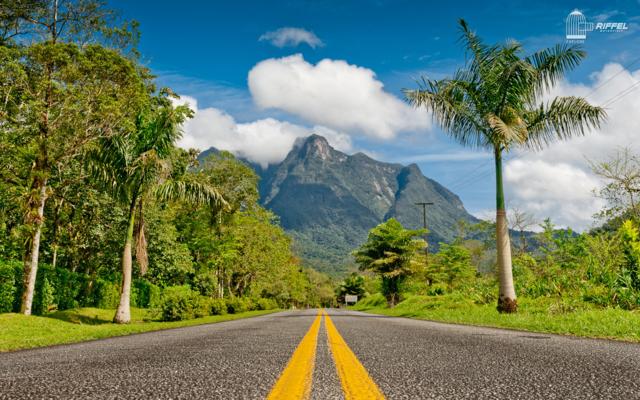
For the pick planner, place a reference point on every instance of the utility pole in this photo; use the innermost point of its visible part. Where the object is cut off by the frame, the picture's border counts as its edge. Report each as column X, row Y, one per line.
column 424, row 224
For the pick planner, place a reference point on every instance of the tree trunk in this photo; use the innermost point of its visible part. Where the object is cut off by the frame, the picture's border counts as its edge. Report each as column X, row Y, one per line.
column 123, row 313
column 507, row 295
column 31, row 261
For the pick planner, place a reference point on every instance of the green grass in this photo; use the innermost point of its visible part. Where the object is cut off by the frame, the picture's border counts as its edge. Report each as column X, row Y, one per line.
column 18, row 331
column 548, row 315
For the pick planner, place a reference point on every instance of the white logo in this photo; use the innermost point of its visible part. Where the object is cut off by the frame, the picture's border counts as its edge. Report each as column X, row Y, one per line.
column 577, row 26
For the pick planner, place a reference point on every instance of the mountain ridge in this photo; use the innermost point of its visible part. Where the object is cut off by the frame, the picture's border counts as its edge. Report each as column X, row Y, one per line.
column 328, row 200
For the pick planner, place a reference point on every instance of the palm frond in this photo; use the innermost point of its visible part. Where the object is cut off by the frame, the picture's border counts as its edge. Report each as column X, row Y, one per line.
column 563, row 118
column 191, row 191
column 507, row 132
column 453, row 106
column 553, row 63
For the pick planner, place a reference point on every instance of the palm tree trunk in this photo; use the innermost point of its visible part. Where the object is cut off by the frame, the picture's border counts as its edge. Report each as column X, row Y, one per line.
column 507, row 295
column 31, row 261
column 123, row 313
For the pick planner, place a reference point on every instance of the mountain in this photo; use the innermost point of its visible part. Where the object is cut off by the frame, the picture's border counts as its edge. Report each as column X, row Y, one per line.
column 328, row 200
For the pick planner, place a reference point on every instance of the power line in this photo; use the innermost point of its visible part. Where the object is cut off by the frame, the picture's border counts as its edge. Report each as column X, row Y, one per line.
column 483, row 171
column 625, row 67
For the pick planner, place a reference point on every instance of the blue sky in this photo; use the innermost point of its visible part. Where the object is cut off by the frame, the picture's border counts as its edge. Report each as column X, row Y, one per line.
column 206, row 49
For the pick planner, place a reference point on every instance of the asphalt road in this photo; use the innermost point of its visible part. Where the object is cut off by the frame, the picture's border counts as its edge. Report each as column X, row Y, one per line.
column 407, row 359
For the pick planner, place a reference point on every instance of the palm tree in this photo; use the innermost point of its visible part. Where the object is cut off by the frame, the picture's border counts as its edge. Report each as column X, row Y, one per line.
column 389, row 251
column 139, row 167
column 496, row 102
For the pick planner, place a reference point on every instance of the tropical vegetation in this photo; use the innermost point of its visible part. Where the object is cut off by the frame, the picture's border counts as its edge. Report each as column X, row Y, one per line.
column 496, row 101
column 99, row 207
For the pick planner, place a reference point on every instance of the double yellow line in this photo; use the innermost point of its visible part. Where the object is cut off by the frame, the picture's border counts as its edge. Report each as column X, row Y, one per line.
column 296, row 380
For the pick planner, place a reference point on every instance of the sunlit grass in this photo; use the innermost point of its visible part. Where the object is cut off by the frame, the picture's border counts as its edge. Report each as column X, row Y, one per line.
column 18, row 331
column 536, row 315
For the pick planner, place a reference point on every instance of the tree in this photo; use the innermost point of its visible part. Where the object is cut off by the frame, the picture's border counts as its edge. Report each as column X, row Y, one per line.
column 521, row 221
column 352, row 284
column 142, row 165
column 495, row 102
column 69, row 97
column 389, row 252
column 61, row 92
column 452, row 266
column 622, row 174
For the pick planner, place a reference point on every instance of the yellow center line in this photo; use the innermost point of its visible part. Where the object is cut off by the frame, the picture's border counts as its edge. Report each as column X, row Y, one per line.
column 295, row 381
column 356, row 382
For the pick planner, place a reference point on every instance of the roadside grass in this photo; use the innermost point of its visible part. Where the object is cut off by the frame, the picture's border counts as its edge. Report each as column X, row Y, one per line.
column 546, row 315
column 18, row 331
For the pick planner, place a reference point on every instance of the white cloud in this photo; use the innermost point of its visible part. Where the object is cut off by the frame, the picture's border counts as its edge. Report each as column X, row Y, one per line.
column 292, row 37
column 264, row 141
column 557, row 182
column 333, row 93
column 558, row 190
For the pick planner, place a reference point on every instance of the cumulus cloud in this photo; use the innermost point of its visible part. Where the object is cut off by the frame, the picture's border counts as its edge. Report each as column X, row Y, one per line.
column 557, row 182
column 264, row 141
column 291, row 37
column 333, row 93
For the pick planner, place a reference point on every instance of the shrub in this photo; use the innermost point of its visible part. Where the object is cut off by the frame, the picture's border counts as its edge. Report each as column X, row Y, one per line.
column 217, row 307
column 179, row 303
column 43, row 299
column 437, row 289
column 202, row 307
column 68, row 287
column 7, row 286
column 266, row 304
column 237, row 305
column 106, row 294
column 145, row 294
column 373, row 301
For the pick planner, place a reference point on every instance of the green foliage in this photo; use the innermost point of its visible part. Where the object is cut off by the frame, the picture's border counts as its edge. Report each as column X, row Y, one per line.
column 8, row 286
column 180, row 303
column 217, row 307
column 145, row 294
column 107, row 294
column 353, row 284
column 373, row 301
column 43, row 302
column 237, row 305
column 451, row 266
column 266, row 304
column 88, row 137
column 170, row 261
column 388, row 252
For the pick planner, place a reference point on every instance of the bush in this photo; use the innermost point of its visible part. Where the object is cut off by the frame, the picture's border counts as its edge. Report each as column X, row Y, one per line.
column 217, row 307
column 43, row 299
column 180, row 303
column 202, row 307
column 266, row 304
column 237, row 305
column 437, row 289
column 67, row 286
column 106, row 294
column 7, row 286
column 373, row 301
column 145, row 294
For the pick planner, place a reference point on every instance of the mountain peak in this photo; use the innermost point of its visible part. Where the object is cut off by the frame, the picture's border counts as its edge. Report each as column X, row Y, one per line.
column 316, row 145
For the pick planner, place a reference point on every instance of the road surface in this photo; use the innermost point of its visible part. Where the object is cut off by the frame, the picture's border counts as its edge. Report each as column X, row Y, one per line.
column 345, row 354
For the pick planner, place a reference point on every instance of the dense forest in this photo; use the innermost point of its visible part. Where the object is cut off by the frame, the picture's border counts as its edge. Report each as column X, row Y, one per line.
column 99, row 207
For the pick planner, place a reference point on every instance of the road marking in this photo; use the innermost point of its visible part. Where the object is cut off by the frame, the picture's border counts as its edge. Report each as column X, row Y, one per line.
column 356, row 382
column 295, row 381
